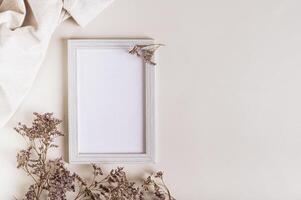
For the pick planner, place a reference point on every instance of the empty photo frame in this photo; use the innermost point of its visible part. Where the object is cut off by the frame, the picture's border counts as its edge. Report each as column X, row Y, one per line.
column 110, row 102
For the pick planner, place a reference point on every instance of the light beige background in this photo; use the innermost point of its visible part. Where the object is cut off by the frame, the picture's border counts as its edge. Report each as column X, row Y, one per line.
column 228, row 95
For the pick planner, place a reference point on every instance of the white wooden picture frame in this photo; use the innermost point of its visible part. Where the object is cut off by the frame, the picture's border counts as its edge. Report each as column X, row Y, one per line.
column 110, row 102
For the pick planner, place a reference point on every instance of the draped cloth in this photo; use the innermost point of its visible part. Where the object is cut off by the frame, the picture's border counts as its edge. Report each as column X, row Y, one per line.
column 26, row 27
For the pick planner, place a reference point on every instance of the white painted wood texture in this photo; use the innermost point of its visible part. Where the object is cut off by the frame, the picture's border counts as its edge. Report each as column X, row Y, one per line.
column 111, row 102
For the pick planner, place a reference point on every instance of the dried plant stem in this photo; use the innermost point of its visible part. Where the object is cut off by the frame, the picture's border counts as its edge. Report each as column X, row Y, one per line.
column 166, row 188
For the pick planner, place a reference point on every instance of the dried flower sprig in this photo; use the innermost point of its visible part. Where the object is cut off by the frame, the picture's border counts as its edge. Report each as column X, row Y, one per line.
column 155, row 184
column 47, row 175
column 115, row 185
column 52, row 180
column 146, row 52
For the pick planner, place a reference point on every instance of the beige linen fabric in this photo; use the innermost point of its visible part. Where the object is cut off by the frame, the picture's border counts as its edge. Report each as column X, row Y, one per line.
column 26, row 27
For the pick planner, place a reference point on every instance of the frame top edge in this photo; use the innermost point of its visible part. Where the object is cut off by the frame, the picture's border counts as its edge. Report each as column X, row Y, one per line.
column 108, row 39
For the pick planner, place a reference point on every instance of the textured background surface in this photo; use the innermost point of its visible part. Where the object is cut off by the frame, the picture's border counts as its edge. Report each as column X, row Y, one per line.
column 228, row 95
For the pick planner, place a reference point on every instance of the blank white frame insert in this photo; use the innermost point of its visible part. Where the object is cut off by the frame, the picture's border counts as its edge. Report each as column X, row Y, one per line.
column 110, row 102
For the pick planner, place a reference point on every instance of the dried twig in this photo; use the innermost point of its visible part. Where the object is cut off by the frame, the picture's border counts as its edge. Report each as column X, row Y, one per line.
column 146, row 52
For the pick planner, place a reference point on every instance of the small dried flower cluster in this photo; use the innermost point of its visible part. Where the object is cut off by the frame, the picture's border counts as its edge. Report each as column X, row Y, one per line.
column 115, row 185
column 52, row 180
column 156, row 186
column 146, row 52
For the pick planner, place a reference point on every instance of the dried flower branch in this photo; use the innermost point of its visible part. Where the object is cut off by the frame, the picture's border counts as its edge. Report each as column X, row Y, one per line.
column 52, row 180
column 155, row 184
column 47, row 175
column 146, row 52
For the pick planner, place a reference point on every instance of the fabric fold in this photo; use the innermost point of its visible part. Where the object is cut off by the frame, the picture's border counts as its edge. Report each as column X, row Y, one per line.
column 82, row 11
column 25, row 31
